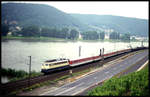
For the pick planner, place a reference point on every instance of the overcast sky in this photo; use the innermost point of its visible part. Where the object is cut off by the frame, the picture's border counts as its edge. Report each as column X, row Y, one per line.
column 128, row 9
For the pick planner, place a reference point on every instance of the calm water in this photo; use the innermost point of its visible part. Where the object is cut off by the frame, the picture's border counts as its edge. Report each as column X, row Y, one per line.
column 15, row 52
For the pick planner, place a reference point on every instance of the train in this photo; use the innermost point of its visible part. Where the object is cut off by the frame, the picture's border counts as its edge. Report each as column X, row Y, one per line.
column 54, row 65
column 63, row 63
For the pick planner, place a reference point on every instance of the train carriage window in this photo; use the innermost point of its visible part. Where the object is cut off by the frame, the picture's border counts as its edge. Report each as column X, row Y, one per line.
column 46, row 64
column 60, row 63
column 50, row 64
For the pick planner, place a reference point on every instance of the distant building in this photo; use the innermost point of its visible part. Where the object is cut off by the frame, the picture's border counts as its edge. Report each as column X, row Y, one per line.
column 139, row 38
column 80, row 36
column 9, row 33
column 108, row 30
column 132, row 37
column 106, row 36
column 18, row 28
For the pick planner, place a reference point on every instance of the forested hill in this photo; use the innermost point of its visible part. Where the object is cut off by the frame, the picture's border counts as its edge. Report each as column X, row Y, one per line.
column 25, row 14
column 38, row 14
column 121, row 24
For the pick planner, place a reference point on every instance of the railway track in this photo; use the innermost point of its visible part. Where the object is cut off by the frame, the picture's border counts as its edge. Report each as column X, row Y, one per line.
column 13, row 86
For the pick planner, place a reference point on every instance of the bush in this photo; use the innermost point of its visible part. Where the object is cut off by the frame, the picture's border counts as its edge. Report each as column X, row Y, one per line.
column 17, row 74
column 133, row 84
column 12, row 72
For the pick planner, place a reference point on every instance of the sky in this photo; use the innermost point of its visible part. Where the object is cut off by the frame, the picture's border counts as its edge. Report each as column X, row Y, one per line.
column 133, row 9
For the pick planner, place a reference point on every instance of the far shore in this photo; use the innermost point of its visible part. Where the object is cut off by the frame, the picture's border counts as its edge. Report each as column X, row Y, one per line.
column 51, row 39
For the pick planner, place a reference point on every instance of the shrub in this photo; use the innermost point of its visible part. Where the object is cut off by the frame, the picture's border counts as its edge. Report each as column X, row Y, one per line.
column 133, row 84
column 17, row 74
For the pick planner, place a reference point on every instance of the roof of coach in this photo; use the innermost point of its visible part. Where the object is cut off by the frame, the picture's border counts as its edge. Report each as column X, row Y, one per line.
column 57, row 60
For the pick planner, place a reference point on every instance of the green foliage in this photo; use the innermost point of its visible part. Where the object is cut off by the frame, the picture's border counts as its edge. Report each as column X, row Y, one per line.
column 31, row 31
column 114, row 35
column 38, row 14
column 90, row 35
column 125, row 37
column 47, row 16
column 49, row 32
column 102, row 35
column 74, row 34
column 60, row 33
column 13, row 72
column 17, row 74
column 65, row 33
column 133, row 84
column 17, row 33
column 4, row 29
column 118, row 23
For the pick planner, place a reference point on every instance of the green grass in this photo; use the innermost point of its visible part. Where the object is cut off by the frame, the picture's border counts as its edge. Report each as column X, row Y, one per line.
column 133, row 84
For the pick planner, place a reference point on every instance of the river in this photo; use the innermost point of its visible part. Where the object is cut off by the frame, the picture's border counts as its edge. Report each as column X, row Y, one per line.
column 14, row 53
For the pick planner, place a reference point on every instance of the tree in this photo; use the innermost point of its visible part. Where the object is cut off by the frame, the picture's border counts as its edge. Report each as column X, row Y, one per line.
column 64, row 32
column 74, row 34
column 45, row 32
column 90, row 35
column 31, row 31
column 114, row 35
column 55, row 32
column 126, row 37
column 102, row 35
column 5, row 29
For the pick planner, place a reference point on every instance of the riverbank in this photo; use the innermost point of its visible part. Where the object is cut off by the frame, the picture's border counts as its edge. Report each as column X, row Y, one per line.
column 51, row 39
column 14, row 75
column 44, row 39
